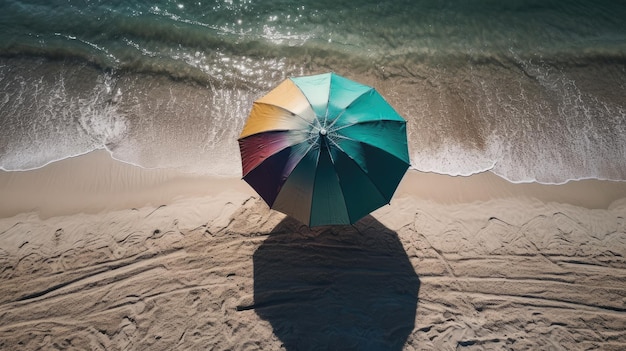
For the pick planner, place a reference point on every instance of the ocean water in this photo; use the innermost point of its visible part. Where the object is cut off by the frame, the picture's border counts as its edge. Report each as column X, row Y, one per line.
column 532, row 90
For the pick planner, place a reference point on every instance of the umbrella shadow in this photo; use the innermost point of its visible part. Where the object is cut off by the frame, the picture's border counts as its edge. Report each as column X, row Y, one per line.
column 339, row 288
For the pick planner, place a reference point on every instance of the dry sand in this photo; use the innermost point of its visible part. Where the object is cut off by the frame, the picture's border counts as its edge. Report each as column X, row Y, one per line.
column 97, row 254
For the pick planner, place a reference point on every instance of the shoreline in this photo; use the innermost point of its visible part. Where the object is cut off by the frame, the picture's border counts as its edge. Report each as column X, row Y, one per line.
column 96, row 182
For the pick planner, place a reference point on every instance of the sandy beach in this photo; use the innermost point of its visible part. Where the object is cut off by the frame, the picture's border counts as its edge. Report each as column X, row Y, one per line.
column 101, row 255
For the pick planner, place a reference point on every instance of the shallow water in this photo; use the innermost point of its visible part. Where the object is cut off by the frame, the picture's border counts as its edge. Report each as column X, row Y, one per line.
column 531, row 90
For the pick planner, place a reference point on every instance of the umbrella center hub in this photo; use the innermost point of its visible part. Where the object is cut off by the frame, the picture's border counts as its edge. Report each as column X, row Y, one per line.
column 323, row 132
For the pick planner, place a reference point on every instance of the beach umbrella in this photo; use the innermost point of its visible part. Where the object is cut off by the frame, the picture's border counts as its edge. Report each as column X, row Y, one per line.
column 324, row 149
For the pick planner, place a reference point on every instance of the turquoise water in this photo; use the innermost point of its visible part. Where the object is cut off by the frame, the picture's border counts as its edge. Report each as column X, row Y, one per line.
column 531, row 90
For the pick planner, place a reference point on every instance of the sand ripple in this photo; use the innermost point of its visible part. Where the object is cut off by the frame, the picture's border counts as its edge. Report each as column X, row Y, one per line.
column 225, row 273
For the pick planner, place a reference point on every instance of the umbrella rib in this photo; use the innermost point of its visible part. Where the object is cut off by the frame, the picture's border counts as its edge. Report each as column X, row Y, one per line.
column 340, row 137
column 286, row 146
column 358, row 165
column 360, row 122
column 326, row 114
column 365, row 143
column 307, row 150
column 347, row 107
column 328, row 102
column 284, row 109
column 314, row 173
column 332, row 160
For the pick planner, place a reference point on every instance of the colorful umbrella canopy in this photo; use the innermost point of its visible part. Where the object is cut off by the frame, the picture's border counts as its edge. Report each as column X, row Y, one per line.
column 324, row 149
